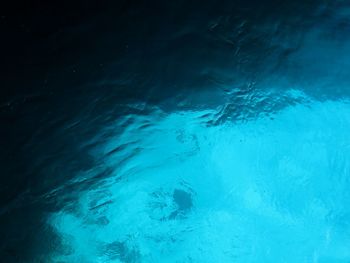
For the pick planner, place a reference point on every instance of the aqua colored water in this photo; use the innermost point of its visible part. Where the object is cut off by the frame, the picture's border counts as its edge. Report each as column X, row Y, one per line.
column 180, row 189
column 202, row 133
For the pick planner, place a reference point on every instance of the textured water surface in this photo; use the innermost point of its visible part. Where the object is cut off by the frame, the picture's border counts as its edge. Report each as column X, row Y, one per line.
column 181, row 189
column 189, row 133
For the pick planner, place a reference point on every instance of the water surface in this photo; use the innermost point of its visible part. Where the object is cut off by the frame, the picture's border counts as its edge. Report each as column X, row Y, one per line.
column 178, row 132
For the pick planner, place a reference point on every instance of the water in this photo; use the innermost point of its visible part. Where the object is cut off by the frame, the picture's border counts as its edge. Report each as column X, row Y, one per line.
column 189, row 133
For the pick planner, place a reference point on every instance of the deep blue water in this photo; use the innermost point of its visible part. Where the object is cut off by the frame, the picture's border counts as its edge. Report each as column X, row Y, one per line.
column 176, row 132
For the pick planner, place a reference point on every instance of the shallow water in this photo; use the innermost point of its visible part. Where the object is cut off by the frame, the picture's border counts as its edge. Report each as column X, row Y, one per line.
column 183, row 190
column 182, row 133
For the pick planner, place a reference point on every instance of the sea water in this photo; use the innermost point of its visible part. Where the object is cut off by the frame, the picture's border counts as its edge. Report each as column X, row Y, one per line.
column 211, row 134
column 184, row 188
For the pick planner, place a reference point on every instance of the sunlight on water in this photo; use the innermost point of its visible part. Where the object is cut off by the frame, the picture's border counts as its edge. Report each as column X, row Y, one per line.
column 185, row 188
column 175, row 131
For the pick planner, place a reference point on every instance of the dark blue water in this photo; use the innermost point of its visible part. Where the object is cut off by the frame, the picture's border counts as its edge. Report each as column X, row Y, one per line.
column 175, row 132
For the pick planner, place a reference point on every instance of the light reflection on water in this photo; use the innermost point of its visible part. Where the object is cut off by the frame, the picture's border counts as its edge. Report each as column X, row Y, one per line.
column 184, row 190
column 181, row 132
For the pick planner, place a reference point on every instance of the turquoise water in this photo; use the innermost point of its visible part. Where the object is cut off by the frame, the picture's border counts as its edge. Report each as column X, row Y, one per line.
column 176, row 132
column 184, row 188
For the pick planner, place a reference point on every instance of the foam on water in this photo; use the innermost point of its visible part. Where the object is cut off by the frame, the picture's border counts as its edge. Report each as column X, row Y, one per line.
column 185, row 188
